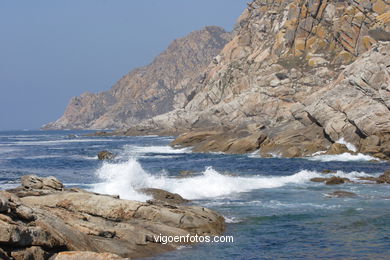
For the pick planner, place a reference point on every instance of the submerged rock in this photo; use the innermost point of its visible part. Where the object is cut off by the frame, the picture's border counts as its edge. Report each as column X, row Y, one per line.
column 106, row 155
column 326, row 171
column 186, row 173
column 342, row 194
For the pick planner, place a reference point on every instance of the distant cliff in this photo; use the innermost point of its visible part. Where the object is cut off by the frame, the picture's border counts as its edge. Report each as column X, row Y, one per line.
column 299, row 76
column 160, row 87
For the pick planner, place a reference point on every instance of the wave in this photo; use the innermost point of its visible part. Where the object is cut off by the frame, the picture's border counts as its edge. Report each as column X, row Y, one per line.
column 344, row 157
column 4, row 150
column 54, row 142
column 133, row 150
column 126, row 178
column 350, row 146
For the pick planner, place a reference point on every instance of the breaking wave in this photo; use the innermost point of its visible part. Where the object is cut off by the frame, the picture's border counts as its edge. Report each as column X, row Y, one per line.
column 126, row 178
column 344, row 157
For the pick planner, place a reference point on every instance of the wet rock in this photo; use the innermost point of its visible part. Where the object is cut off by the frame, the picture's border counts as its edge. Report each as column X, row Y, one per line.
column 326, row 171
column 337, row 148
column 164, row 196
column 384, row 178
column 342, row 194
column 374, row 179
column 336, row 180
column 35, row 182
column 319, row 179
column 185, row 173
column 85, row 255
column 106, row 155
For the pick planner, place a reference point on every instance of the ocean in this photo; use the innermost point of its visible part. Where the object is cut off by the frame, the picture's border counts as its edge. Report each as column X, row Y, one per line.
column 272, row 209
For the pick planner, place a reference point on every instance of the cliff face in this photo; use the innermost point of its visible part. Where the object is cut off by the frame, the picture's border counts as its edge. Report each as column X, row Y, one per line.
column 299, row 76
column 148, row 91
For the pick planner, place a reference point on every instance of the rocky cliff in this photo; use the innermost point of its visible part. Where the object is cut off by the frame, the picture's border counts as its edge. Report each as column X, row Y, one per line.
column 298, row 77
column 148, row 91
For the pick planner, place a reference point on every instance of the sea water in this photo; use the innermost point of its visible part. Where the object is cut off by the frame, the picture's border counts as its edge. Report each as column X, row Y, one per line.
column 271, row 207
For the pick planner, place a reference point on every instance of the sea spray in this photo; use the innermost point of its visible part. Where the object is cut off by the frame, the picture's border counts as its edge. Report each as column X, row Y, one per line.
column 127, row 178
column 350, row 146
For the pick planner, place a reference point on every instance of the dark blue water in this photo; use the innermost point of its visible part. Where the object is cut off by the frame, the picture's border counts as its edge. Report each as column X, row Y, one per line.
column 272, row 209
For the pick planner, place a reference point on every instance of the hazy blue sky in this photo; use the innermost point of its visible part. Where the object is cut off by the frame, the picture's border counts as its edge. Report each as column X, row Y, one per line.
column 51, row 50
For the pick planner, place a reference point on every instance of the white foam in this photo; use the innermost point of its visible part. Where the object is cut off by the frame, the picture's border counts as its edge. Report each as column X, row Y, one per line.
column 232, row 219
column 127, row 177
column 132, row 150
column 344, row 157
column 255, row 154
column 352, row 175
column 350, row 146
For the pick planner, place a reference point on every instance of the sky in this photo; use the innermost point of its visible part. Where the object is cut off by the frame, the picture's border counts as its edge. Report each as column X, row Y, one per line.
column 52, row 50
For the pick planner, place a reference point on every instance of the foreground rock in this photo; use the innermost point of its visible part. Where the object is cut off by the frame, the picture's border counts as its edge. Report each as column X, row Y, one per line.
column 85, row 255
column 36, row 226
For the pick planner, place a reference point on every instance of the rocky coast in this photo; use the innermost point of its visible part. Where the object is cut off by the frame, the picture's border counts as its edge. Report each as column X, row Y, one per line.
column 42, row 219
column 295, row 77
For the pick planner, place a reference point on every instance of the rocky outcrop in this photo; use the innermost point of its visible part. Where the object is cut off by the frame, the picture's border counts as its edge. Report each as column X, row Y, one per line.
column 165, row 84
column 105, row 155
column 304, row 73
column 36, row 226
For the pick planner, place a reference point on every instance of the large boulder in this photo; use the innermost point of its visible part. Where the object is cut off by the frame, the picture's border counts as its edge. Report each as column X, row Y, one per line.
column 35, row 182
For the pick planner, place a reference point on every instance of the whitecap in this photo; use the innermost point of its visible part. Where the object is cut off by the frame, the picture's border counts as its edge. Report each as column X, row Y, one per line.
column 344, row 157
column 126, row 178
column 232, row 220
column 133, row 150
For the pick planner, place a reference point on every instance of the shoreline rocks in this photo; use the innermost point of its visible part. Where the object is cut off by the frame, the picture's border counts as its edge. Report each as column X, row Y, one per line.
column 38, row 221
